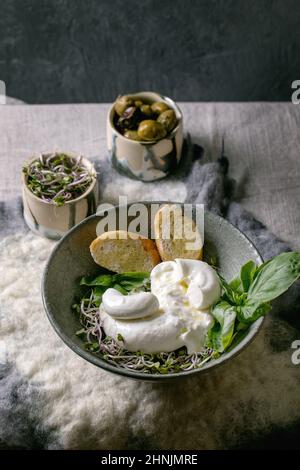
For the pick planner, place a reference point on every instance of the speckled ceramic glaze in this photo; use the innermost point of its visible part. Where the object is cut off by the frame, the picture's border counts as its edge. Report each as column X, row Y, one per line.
column 71, row 259
column 51, row 221
column 146, row 161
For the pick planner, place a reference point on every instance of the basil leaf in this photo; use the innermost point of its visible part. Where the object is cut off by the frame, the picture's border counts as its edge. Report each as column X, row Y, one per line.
column 131, row 276
column 132, row 280
column 236, row 285
column 229, row 292
column 120, row 289
column 131, row 284
column 242, row 283
column 260, row 267
column 237, row 338
column 232, row 295
column 250, row 313
column 274, row 278
column 247, row 274
column 221, row 333
column 102, row 280
column 98, row 291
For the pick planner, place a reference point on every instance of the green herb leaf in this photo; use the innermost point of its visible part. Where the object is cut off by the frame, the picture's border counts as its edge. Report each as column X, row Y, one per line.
column 238, row 336
column 98, row 291
column 91, row 346
column 120, row 289
column 241, row 283
column 105, row 280
column 163, row 370
column 132, row 280
column 220, row 335
column 249, row 313
column 231, row 295
column 131, row 277
column 213, row 261
column 274, row 278
column 129, row 285
column 81, row 333
column 236, row 285
column 228, row 291
column 76, row 308
column 247, row 274
column 59, row 200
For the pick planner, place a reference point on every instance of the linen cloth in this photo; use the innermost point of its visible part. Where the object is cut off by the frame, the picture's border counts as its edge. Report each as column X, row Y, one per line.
column 51, row 398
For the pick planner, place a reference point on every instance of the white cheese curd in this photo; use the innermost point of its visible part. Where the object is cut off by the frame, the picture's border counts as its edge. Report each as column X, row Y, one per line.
column 128, row 307
column 184, row 290
column 151, row 334
column 203, row 283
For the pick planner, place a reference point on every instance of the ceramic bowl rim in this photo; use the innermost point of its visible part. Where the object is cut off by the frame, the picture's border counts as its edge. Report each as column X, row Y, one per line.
column 164, row 98
column 97, row 361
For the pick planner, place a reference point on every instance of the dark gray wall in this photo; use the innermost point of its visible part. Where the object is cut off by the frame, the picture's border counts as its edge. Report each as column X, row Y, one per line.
column 76, row 50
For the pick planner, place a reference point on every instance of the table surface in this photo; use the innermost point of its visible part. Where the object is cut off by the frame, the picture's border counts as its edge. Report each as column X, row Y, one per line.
column 262, row 143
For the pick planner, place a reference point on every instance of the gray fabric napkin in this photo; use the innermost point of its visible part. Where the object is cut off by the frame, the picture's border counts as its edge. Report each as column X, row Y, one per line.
column 206, row 183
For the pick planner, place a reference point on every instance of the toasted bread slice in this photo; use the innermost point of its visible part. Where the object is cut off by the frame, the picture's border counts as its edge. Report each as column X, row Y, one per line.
column 176, row 235
column 122, row 251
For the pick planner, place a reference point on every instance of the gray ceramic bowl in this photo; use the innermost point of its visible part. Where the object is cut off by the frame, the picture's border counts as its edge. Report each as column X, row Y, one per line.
column 71, row 259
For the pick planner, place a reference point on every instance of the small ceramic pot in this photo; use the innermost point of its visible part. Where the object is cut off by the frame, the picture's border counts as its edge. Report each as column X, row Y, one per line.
column 145, row 161
column 51, row 221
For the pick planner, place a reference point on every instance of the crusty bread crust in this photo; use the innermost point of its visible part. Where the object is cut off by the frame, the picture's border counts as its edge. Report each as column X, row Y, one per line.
column 150, row 247
column 172, row 247
column 122, row 251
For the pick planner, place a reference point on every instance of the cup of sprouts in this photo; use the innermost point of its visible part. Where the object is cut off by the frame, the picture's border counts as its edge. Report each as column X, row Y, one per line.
column 59, row 190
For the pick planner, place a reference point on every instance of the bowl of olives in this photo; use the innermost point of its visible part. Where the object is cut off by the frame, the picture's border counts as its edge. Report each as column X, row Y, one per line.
column 144, row 135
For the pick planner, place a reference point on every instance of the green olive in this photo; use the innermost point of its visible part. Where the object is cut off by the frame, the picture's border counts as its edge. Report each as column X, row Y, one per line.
column 133, row 135
column 159, row 107
column 151, row 130
column 146, row 109
column 122, row 103
column 168, row 119
column 138, row 103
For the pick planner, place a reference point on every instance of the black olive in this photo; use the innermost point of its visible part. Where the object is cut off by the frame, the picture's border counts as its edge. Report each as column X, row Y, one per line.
column 129, row 119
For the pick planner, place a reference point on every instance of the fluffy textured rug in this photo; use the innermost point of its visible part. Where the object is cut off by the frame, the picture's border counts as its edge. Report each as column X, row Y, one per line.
column 51, row 398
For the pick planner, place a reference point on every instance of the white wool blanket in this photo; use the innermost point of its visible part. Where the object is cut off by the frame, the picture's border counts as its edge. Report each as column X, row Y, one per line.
column 51, row 398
